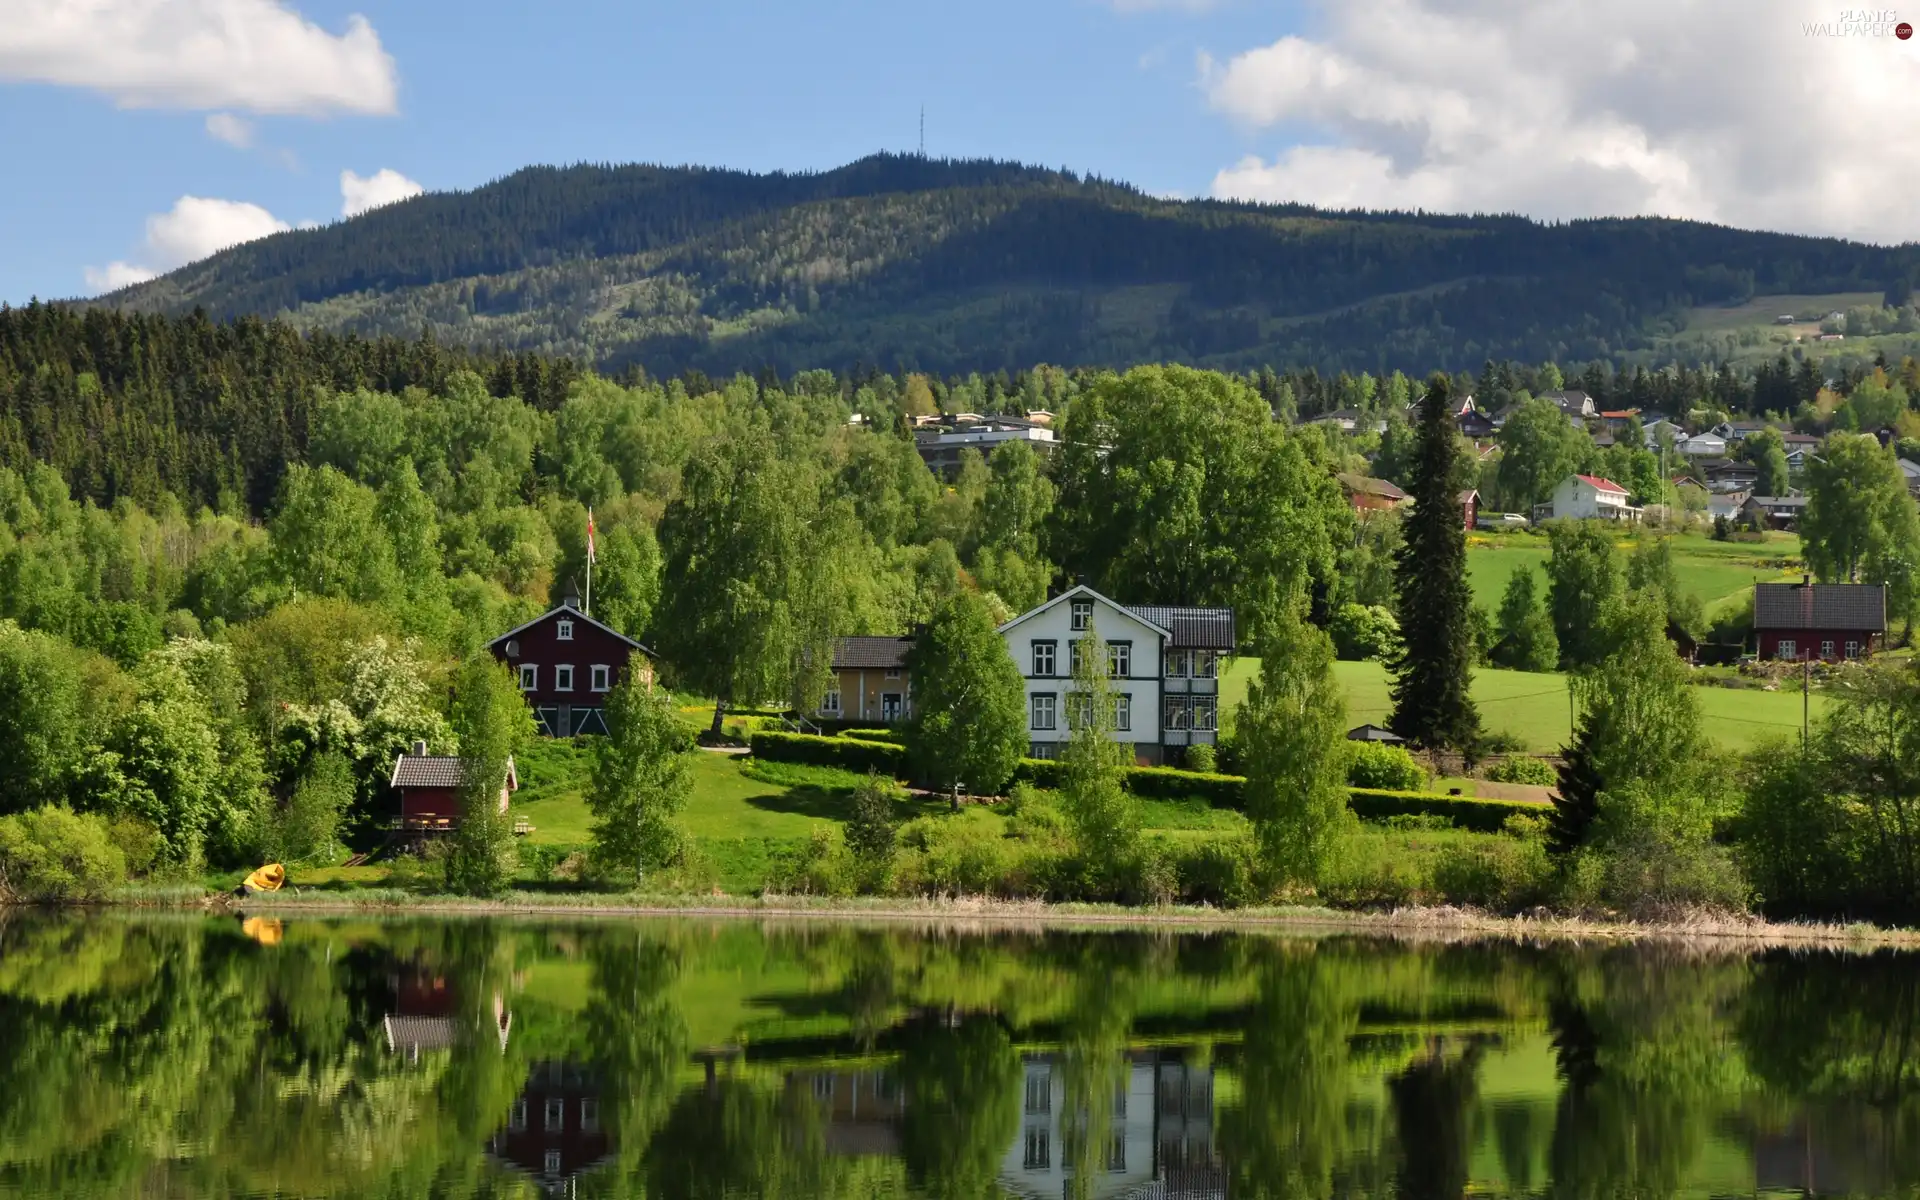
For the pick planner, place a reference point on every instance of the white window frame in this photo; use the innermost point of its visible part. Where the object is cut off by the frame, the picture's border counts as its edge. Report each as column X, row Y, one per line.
column 517, row 1120
column 1206, row 664
column 589, row 1115
column 563, row 630
column 1050, row 649
column 1826, row 648
column 601, row 676
column 551, row 1162
column 1119, row 660
column 554, row 1118
column 1789, row 649
column 1046, row 702
column 1079, row 710
column 529, row 677
column 1123, row 712
column 830, row 703
column 1080, row 614
column 1176, row 713
column 1853, row 649
column 1179, row 664
column 563, row 677
column 893, row 672
column 1206, row 714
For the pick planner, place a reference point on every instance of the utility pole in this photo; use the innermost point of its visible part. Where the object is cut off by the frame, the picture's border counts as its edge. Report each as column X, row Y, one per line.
column 923, row 131
column 1806, row 695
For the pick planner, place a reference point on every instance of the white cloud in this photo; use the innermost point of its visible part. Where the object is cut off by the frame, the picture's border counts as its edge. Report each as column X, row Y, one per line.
column 192, row 229
column 254, row 55
column 1567, row 109
column 234, row 131
column 358, row 194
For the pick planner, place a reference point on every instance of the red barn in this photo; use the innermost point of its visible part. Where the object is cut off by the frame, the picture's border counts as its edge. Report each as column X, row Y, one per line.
column 567, row 662
column 1827, row 622
column 553, row 1130
column 429, row 788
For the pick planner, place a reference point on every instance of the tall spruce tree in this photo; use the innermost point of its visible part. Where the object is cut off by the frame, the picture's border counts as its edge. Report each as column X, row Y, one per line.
column 1432, row 706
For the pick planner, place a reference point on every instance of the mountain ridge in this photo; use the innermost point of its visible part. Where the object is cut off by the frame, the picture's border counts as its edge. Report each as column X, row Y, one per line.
column 907, row 262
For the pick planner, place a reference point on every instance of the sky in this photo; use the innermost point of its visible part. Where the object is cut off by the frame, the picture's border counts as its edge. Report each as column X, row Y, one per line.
column 140, row 135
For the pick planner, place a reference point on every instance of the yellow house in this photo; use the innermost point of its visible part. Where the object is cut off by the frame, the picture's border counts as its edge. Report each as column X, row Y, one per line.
column 871, row 682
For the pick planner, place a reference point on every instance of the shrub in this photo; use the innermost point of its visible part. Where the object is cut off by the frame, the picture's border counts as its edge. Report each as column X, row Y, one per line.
column 1362, row 631
column 893, row 736
column 1040, row 772
column 1499, row 742
column 1201, row 758
column 815, row 867
column 956, row 856
column 851, row 754
column 1150, row 876
column 1167, row 783
column 1034, row 818
column 872, row 821
column 1521, row 768
column 1389, row 768
column 1464, row 812
column 1218, row 871
column 54, row 854
column 1504, row 874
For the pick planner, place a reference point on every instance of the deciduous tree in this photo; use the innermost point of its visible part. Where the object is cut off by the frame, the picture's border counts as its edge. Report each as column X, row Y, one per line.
column 492, row 721
column 970, row 722
column 642, row 779
column 1291, row 732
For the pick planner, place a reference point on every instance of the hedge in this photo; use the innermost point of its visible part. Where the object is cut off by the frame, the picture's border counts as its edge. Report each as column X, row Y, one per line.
column 851, row 753
column 894, row 736
column 1169, row 783
column 1466, row 812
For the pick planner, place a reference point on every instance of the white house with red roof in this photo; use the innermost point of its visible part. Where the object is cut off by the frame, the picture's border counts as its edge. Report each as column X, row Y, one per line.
column 1583, row 497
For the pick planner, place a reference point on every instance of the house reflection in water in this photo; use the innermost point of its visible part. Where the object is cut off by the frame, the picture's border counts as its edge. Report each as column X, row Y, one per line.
column 423, row 1017
column 1159, row 1143
column 553, row 1130
column 863, row 1108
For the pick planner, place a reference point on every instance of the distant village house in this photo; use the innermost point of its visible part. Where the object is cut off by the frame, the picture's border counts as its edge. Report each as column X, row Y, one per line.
column 1824, row 622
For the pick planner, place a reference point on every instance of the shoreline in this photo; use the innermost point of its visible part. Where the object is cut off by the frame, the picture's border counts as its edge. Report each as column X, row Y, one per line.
column 1441, row 923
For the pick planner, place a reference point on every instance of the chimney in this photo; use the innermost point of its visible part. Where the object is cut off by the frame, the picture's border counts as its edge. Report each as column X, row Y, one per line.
column 420, row 749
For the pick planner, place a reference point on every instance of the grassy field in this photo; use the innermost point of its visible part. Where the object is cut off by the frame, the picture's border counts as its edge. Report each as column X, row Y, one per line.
column 1716, row 572
column 1534, row 708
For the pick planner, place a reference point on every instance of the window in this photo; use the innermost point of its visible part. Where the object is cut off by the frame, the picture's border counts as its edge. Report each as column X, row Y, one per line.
column 1082, row 614
column 590, row 1116
column 1119, row 659
column 1073, row 657
column 1204, row 662
column 1037, row 1155
column 1853, row 649
column 1177, row 713
column 1046, row 751
column 1043, row 710
column 823, row 1087
column 1826, row 648
column 1117, row 1152
column 563, row 630
column 552, row 1162
column 517, row 1122
column 1123, row 712
column 563, row 678
column 1203, row 712
column 893, row 672
column 1789, row 648
column 1040, row 1092
column 1179, row 663
column 602, row 677
column 830, row 703
column 555, row 1116
column 529, row 677
column 1043, row 659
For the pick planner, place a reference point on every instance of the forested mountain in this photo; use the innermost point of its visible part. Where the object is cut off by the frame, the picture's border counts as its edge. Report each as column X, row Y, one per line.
column 908, row 263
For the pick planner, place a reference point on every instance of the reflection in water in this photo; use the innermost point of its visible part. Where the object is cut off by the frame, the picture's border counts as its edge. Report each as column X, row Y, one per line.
column 182, row 1057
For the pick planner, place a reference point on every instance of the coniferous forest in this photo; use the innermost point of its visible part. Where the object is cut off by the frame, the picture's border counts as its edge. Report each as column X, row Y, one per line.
column 910, row 264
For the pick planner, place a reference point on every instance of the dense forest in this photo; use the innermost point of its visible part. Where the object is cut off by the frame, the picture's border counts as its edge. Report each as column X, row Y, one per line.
column 911, row 264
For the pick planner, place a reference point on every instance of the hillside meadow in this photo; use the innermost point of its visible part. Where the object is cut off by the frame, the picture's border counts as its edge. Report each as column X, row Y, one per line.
column 1719, row 573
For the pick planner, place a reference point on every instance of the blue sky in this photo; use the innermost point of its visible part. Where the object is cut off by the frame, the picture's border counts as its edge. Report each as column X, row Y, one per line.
column 109, row 111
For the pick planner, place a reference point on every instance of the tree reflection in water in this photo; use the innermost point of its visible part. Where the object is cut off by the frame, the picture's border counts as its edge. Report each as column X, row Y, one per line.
column 181, row 1056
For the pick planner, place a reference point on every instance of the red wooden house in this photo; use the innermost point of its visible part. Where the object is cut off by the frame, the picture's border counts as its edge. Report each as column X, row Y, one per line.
column 429, row 788
column 553, row 1129
column 567, row 662
column 1824, row 622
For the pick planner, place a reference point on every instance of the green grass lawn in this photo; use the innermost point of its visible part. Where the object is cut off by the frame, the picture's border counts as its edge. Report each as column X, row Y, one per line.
column 1716, row 572
column 1534, row 707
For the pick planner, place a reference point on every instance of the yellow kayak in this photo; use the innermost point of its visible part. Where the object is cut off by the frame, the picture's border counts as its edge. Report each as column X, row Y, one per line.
column 266, row 879
column 264, row 930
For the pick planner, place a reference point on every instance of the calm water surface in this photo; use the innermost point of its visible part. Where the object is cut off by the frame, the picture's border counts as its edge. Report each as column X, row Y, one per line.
column 190, row 1057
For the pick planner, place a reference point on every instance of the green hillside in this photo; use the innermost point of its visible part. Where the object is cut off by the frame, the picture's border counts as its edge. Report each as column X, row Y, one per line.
column 905, row 262
column 1717, row 572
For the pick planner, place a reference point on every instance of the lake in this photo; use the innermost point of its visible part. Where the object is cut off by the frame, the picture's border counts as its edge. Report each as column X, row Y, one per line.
column 188, row 1056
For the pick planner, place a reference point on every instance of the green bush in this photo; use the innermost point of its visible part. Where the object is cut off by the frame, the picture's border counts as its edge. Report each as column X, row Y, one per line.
column 1385, row 767
column 1362, row 631
column 55, row 855
column 1506, row 874
column 818, row 866
column 1167, row 783
column 895, row 736
column 1521, row 768
column 851, row 754
column 1465, row 812
column 1040, row 772
column 1201, row 757
column 871, row 823
column 958, row 856
column 1218, row 871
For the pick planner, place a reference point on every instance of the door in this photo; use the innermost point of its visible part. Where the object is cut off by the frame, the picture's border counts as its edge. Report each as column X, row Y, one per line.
column 890, row 706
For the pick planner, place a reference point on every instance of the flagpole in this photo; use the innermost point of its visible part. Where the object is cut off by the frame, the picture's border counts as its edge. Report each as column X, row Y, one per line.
column 589, row 609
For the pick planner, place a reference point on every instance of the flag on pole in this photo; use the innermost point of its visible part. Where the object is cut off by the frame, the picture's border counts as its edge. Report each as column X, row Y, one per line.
column 589, row 535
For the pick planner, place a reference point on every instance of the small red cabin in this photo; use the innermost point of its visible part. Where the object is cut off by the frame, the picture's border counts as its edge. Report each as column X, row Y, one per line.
column 566, row 663
column 429, row 788
column 1823, row 622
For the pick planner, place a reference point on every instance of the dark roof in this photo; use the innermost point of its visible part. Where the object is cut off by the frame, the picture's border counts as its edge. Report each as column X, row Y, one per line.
column 1192, row 628
column 436, row 771
column 1861, row 606
column 868, row 653
column 573, row 612
column 1372, row 733
column 1367, row 485
column 1779, row 501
